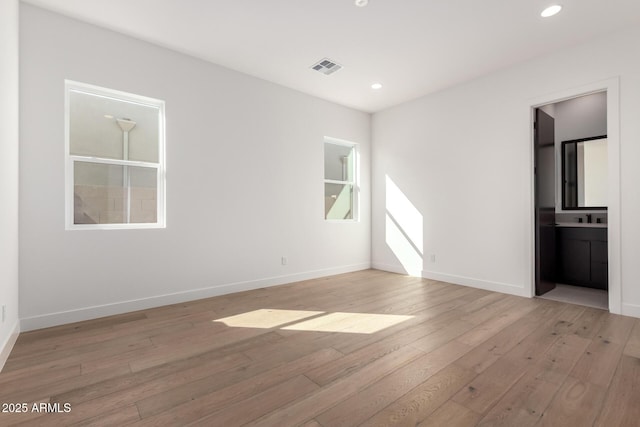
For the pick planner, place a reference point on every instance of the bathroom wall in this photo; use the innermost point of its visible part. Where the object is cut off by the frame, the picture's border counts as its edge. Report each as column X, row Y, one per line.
column 581, row 117
column 577, row 118
column 244, row 180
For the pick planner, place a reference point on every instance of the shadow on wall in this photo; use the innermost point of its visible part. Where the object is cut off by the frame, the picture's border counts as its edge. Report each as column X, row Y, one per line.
column 403, row 229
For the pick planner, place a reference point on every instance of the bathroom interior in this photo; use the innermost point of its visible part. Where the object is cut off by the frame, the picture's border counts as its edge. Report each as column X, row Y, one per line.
column 571, row 201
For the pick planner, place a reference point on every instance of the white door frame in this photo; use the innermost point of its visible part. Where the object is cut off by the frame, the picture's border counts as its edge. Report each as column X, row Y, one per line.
column 612, row 87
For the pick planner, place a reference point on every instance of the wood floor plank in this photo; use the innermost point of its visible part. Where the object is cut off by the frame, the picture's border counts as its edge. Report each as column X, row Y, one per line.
column 424, row 400
column 563, row 354
column 632, row 347
column 171, row 352
column 72, row 328
column 489, row 386
column 116, row 360
column 451, row 414
column 473, row 328
column 525, row 402
column 576, row 404
column 29, row 417
column 616, row 328
column 483, row 301
column 247, row 410
column 590, row 322
column 353, row 361
column 309, row 342
column 427, row 320
column 599, row 362
column 118, row 417
column 533, row 348
column 155, row 379
column 9, row 389
column 368, row 401
column 490, row 351
column 346, row 365
column 364, row 348
column 500, row 317
column 64, row 385
column 144, row 327
column 66, row 357
column 195, row 400
column 621, row 406
column 337, row 391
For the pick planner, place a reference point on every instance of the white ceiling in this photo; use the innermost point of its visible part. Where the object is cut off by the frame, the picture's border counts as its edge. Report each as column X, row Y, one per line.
column 412, row 47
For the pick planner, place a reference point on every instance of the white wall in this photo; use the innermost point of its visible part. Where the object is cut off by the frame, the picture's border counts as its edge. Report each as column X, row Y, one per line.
column 463, row 157
column 8, row 175
column 244, row 180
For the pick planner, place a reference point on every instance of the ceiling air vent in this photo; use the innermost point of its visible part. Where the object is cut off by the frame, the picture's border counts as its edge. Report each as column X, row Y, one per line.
column 326, row 66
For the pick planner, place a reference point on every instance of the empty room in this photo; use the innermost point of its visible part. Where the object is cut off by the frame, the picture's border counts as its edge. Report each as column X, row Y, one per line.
column 319, row 213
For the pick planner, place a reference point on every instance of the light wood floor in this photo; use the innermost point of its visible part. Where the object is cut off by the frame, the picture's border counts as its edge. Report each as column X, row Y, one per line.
column 366, row 348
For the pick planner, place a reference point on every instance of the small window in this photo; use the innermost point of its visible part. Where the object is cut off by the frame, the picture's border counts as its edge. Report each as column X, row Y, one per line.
column 340, row 180
column 115, row 159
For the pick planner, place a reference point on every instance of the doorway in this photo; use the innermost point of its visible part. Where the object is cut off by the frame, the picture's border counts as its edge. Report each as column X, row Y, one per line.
column 571, row 247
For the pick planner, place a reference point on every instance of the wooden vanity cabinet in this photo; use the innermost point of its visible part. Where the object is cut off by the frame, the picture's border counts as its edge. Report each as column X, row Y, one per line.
column 582, row 256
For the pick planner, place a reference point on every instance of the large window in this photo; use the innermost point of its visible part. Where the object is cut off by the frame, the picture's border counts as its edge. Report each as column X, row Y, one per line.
column 340, row 180
column 115, row 159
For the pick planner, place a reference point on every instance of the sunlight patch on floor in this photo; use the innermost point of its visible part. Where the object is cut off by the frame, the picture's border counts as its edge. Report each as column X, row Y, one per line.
column 355, row 323
column 267, row 318
column 314, row 321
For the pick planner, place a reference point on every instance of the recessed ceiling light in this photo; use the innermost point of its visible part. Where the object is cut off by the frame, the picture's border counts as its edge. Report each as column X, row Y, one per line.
column 362, row 3
column 551, row 10
column 108, row 116
column 376, row 86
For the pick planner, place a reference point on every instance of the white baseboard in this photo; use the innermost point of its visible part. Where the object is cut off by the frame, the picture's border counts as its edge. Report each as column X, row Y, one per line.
column 392, row 268
column 632, row 310
column 70, row 316
column 7, row 345
column 504, row 288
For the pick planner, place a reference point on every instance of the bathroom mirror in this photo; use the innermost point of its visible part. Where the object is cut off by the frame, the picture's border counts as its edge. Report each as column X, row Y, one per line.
column 584, row 173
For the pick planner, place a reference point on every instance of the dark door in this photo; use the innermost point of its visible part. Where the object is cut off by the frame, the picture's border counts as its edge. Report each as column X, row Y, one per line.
column 545, row 202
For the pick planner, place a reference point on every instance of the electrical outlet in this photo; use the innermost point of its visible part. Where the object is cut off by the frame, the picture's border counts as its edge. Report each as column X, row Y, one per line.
column 4, row 309
column 284, row 260
column 433, row 257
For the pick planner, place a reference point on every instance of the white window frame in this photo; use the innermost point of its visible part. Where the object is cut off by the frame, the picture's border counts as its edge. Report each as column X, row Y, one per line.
column 355, row 202
column 70, row 160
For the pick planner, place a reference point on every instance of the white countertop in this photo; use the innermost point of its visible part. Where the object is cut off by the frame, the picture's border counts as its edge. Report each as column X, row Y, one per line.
column 582, row 224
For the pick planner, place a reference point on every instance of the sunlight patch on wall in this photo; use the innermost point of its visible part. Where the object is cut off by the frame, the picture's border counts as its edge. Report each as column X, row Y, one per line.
column 353, row 323
column 402, row 248
column 404, row 229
